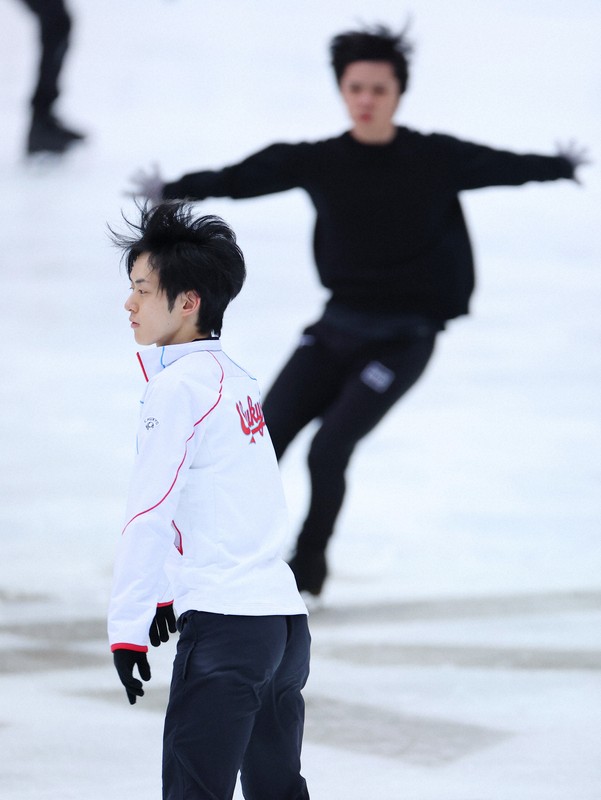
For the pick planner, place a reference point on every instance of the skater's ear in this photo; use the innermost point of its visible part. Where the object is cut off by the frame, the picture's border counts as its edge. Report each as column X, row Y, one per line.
column 191, row 302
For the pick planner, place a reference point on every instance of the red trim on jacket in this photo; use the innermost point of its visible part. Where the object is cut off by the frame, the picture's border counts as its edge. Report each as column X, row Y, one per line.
column 139, row 648
column 168, row 492
column 142, row 365
column 179, row 543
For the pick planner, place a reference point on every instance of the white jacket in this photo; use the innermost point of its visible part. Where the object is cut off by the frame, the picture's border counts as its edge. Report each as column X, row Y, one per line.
column 206, row 510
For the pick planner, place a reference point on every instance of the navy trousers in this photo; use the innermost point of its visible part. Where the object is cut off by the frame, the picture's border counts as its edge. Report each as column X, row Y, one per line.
column 236, row 706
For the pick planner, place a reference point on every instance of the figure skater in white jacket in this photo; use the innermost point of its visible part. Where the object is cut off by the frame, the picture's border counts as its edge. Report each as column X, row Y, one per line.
column 204, row 530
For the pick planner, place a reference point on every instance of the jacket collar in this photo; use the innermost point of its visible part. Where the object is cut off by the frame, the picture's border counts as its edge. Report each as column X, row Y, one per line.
column 155, row 359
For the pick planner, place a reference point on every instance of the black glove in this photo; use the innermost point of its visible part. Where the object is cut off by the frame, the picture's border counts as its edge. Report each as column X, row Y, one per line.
column 125, row 660
column 162, row 625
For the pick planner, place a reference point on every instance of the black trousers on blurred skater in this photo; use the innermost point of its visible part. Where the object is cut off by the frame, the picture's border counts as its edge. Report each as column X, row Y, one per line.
column 348, row 371
column 46, row 133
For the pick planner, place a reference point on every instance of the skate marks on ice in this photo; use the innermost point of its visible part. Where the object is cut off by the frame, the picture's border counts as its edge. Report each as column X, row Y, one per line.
column 6, row 598
column 374, row 731
column 53, row 645
column 156, row 696
column 418, row 739
column 444, row 609
column 47, row 646
column 515, row 658
column 46, row 659
column 364, row 729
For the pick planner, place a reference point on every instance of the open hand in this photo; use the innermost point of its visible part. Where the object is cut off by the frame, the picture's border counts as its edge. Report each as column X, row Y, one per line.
column 148, row 185
column 575, row 154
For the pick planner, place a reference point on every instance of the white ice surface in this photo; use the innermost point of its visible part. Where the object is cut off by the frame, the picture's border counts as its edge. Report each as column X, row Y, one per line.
column 457, row 655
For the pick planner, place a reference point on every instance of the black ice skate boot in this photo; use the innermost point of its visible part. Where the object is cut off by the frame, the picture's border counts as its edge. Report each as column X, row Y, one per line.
column 48, row 135
column 310, row 570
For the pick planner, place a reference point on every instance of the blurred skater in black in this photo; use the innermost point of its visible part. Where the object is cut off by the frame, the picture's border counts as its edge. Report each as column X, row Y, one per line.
column 46, row 132
column 391, row 245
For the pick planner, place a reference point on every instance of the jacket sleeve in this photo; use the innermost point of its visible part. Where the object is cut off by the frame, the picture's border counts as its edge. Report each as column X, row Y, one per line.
column 168, row 437
column 275, row 169
column 475, row 166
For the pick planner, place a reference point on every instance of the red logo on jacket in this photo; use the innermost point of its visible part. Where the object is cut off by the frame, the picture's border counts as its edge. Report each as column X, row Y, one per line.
column 251, row 418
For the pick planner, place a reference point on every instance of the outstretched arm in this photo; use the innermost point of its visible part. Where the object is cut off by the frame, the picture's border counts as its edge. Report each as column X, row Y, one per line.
column 275, row 169
column 475, row 166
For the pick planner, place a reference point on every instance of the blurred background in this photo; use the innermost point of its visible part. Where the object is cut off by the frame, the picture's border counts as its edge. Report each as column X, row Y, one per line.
column 457, row 652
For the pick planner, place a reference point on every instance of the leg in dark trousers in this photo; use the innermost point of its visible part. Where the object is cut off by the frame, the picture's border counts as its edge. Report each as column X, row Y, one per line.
column 271, row 766
column 46, row 132
column 55, row 26
column 307, row 385
column 231, row 673
column 351, row 391
column 371, row 389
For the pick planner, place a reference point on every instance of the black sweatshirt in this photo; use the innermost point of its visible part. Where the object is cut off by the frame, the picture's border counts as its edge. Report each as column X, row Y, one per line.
column 390, row 235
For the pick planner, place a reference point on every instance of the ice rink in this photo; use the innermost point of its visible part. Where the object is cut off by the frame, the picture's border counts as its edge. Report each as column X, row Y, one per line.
column 457, row 652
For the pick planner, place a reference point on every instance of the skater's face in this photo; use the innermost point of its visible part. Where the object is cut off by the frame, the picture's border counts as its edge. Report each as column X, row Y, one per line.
column 371, row 92
column 151, row 319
